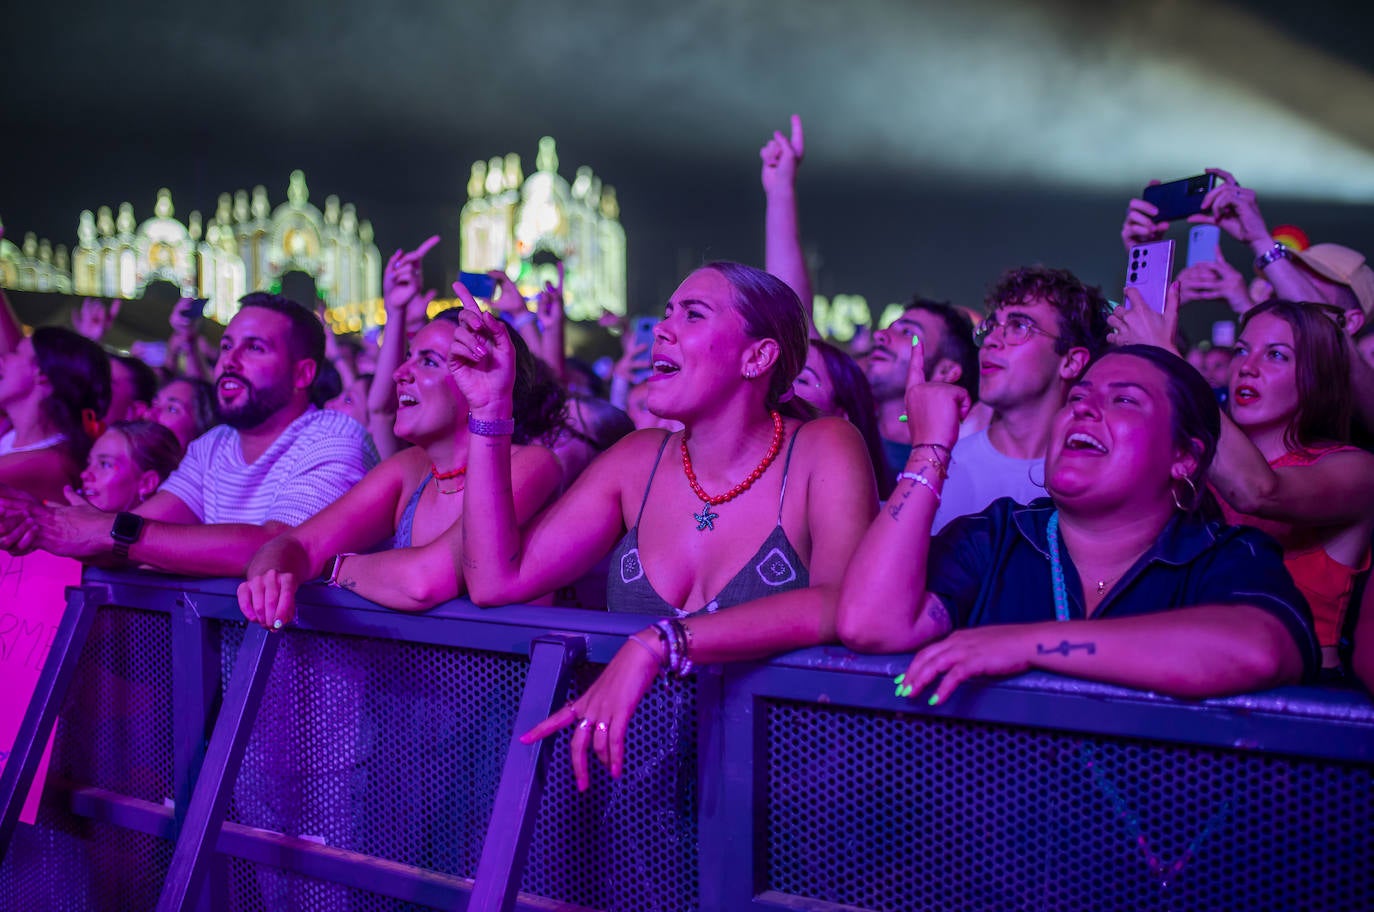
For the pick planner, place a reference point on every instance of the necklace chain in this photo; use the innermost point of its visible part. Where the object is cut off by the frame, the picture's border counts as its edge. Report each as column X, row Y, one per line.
column 706, row 518
column 447, row 476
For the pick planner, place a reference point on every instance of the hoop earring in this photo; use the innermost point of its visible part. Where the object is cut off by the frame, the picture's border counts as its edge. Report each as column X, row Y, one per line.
column 1030, row 476
column 1195, row 499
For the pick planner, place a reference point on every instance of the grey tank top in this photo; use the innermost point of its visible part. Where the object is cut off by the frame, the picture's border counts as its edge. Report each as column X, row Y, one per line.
column 406, row 526
column 774, row 568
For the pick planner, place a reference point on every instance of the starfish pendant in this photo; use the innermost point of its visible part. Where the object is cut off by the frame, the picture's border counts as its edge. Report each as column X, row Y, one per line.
column 706, row 520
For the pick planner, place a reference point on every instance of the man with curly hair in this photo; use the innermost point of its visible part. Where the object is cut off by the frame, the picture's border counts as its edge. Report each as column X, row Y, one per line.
column 1043, row 327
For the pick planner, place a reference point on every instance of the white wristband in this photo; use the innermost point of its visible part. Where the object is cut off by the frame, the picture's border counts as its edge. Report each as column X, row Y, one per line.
column 921, row 480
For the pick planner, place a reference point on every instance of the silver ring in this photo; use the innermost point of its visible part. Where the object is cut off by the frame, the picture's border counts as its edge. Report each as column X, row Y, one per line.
column 602, row 728
column 583, row 723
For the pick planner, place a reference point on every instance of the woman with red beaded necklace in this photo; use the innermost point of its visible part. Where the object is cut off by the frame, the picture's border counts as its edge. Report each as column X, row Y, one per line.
column 686, row 508
column 414, row 498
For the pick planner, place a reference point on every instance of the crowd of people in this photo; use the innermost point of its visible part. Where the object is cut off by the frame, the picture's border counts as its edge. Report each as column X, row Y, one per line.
column 1046, row 481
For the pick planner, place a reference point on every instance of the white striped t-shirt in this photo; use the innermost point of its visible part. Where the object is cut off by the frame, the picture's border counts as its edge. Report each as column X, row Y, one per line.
column 316, row 459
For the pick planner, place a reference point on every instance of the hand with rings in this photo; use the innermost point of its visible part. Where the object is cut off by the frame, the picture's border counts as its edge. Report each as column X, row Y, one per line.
column 611, row 700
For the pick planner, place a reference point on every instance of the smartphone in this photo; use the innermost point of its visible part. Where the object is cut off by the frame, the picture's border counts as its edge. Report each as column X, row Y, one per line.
column 1202, row 244
column 1149, row 270
column 479, row 283
column 194, row 308
column 643, row 330
column 1180, row 198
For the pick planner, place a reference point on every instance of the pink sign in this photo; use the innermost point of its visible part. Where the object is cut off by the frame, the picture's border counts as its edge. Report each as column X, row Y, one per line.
column 32, row 599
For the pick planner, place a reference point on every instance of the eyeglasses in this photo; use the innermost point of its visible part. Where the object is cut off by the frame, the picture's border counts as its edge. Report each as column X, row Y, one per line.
column 1016, row 329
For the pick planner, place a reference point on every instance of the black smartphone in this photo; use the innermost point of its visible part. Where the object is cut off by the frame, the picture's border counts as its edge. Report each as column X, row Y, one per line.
column 195, row 308
column 1180, row 198
column 479, row 283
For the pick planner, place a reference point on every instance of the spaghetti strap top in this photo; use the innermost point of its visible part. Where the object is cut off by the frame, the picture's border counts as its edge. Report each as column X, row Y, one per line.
column 405, row 527
column 774, row 568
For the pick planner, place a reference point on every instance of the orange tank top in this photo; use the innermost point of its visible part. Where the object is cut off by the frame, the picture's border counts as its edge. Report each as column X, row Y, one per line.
column 1325, row 582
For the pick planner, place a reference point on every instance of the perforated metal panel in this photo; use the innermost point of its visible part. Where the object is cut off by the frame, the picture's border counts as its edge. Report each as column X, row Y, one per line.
column 890, row 812
column 115, row 733
column 629, row 844
column 390, row 749
column 117, row 719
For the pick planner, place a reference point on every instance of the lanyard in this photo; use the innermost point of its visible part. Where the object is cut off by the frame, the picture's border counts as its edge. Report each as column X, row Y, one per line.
column 1061, row 600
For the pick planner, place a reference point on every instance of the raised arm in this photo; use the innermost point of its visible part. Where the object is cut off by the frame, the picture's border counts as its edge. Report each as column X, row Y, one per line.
column 404, row 305
column 1235, row 209
column 10, row 330
column 501, row 563
column 883, row 605
column 783, row 255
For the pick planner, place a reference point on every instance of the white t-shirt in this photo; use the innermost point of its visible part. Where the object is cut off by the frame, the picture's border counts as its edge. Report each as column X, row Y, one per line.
column 979, row 474
column 316, row 459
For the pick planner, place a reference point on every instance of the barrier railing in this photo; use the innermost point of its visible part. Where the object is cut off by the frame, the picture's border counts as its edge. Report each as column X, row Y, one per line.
column 366, row 759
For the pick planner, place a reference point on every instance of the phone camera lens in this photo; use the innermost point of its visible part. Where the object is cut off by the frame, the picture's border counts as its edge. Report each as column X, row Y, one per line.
column 1133, row 275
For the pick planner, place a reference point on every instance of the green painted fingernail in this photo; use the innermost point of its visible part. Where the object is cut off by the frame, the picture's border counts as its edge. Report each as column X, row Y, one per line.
column 900, row 678
column 902, row 417
column 915, row 340
column 898, row 691
column 934, row 698
column 906, row 690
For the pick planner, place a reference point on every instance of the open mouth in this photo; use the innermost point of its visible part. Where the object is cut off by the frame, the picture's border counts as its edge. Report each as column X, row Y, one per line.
column 1246, row 394
column 231, row 385
column 1083, row 442
column 406, row 400
column 664, row 368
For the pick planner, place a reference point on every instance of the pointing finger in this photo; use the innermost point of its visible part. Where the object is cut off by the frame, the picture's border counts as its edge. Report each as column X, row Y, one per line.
column 798, row 137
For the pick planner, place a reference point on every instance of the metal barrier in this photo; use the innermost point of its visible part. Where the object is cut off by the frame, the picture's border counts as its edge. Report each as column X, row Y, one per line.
column 364, row 759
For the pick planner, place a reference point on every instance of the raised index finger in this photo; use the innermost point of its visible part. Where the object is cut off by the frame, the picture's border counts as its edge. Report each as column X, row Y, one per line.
column 426, row 246
column 916, row 368
column 798, row 138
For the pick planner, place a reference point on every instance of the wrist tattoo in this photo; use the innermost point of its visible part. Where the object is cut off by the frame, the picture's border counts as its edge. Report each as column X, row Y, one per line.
column 895, row 509
column 1064, row 648
column 349, row 584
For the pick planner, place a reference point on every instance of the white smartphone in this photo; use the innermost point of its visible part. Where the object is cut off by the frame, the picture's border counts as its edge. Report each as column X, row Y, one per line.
column 1202, row 243
column 1149, row 270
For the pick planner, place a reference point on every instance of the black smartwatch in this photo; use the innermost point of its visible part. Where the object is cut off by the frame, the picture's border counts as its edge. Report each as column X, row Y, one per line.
column 127, row 528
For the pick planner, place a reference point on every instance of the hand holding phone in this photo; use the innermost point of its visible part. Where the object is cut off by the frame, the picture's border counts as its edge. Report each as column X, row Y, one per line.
column 1203, row 242
column 1179, row 198
column 479, row 283
column 1149, row 270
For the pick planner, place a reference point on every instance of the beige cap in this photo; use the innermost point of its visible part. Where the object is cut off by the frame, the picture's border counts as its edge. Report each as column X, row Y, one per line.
column 1343, row 265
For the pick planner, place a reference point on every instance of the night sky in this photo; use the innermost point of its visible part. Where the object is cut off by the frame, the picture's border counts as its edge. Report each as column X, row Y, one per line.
column 945, row 142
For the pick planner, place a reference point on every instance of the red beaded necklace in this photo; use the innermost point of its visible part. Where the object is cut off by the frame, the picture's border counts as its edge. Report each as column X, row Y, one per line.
column 706, row 520
column 447, row 476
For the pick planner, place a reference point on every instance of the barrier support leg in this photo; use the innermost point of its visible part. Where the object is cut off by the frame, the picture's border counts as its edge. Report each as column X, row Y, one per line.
column 209, row 802
column 48, row 696
column 502, row 865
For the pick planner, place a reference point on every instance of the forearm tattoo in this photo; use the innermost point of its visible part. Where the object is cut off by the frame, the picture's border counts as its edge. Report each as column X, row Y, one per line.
column 895, row 509
column 1064, row 648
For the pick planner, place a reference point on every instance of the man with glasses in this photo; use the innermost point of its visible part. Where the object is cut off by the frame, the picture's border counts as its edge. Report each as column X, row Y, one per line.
column 947, row 337
column 1043, row 327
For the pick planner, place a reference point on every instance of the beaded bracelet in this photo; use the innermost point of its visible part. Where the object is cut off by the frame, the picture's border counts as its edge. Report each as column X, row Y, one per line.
column 677, row 643
column 495, row 427
column 921, row 480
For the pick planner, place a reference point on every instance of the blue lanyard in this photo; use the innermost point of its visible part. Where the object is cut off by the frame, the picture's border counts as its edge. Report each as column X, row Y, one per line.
column 1061, row 600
